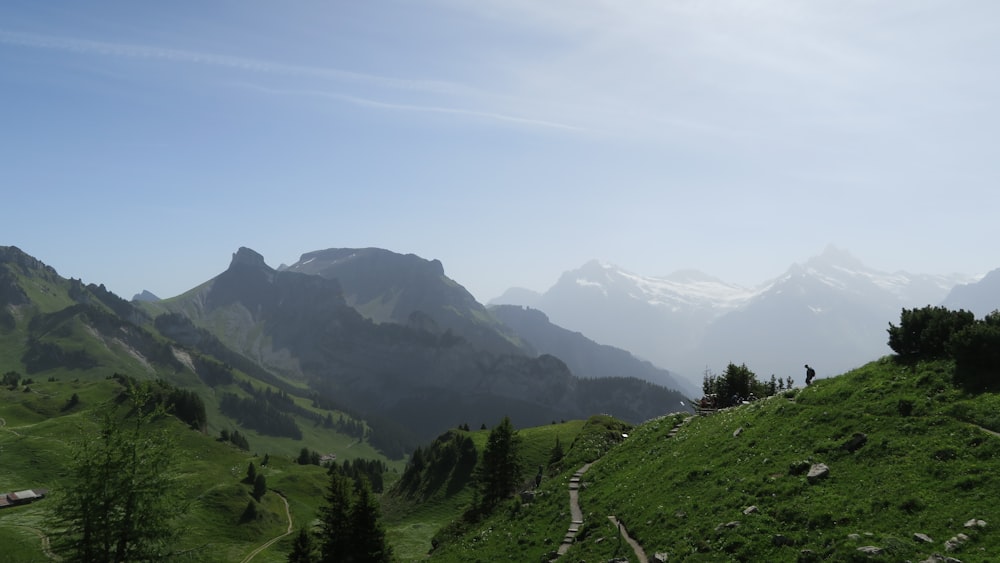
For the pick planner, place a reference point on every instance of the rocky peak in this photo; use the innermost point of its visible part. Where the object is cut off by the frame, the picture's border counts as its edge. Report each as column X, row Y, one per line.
column 247, row 257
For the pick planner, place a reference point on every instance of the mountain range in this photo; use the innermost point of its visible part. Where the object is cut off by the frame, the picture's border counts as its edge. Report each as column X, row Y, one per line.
column 831, row 312
column 384, row 338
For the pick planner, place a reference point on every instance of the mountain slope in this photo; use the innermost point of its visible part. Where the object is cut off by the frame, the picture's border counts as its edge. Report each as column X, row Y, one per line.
column 583, row 356
column 388, row 287
column 412, row 380
column 904, row 452
column 982, row 297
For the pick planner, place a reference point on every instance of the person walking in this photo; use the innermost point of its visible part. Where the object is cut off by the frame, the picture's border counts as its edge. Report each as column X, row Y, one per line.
column 810, row 374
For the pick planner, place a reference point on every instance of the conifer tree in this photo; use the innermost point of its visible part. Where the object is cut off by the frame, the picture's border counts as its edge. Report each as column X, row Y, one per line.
column 500, row 471
column 302, row 548
column 118, row 505
column 259, row 487
column 367, row 533
column 335, row 519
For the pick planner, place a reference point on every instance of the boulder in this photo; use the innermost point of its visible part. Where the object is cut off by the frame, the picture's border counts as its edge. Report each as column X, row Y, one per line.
column 975, row 523
column 871, row 550
column 817, row 472
column 924, row 538
column 956, row 542
column 750, row 510
column 859, row 439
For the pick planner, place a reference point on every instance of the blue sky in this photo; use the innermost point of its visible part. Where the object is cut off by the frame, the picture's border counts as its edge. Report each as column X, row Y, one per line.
column 142, row 143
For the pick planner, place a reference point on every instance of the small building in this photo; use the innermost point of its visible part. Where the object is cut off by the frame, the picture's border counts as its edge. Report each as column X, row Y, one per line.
column 21, row 497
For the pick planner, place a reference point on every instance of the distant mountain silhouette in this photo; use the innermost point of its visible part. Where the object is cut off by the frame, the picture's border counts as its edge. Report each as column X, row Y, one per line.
column 981, row 297
column 585, row 357
column 831, row 311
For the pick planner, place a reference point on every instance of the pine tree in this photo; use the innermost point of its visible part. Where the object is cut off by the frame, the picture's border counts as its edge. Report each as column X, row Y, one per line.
column 335, row 519
column 259, row 487
column 500, row 472
column 302, row 548
column 367, row 533
column 118, row 504
column 251, row 473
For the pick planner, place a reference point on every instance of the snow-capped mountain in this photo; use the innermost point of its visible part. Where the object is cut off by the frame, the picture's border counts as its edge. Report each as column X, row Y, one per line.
column 831, row 311
column 982, row 297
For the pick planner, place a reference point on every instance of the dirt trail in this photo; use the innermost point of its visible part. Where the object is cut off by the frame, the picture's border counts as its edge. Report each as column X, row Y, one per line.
column 576, row 515
column 269, row 543
column 3, row 423
column 46, row 547
column 640, row 553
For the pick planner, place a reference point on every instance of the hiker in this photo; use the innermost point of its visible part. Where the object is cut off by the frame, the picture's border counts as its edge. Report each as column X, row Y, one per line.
column 810, row 374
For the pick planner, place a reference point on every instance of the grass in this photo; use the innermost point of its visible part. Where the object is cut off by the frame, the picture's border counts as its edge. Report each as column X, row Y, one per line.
column 38, row 437
column 923, row 469
column 411, row 525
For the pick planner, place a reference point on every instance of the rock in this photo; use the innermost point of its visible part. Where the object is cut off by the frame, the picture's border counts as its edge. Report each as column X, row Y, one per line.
column 737, row 432
column 922, row 538
column 818, row 471
column 975, row 523
column 871, row 550
column 733, row 524
column 854, row 537
column 798, row 467
column 750, row 510
column 956, row 542
column 859, row 439
column 938, row 558
column 660, row 557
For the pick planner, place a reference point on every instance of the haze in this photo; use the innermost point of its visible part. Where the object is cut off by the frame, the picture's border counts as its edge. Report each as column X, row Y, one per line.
column 143, row 143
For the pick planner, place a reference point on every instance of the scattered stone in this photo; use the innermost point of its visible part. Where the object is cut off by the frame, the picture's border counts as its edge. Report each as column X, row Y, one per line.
column 956, row 542
column 737, row 432
column 733, row 524
column 680, row 514
column 854, row 537
column 871, row 550
column 750, row 510
column 938, row 558
column 975, row 523
column 922, row 538
column 798, row 467
column 818, row 471
column 859, row 439
column 660, row 557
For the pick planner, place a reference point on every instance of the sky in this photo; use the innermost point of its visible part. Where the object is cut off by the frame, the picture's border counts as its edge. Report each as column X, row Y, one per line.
column 143, row 143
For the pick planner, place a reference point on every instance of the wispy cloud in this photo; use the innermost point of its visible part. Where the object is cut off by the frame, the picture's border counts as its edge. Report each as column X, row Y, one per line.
column 435, row 87
column 492, row 116
column 89, row 47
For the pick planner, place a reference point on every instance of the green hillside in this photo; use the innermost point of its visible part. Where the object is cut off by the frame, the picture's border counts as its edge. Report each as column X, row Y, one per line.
column 734, row 486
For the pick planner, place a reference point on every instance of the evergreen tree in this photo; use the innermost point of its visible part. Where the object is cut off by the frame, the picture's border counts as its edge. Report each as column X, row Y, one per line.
column 557, row 453
column 250, row 512
column 251, row 473
column 302, row 548
column 367, row 533
column 259, row 486
column 119, row 505
column 335, row 519
column 500, row 472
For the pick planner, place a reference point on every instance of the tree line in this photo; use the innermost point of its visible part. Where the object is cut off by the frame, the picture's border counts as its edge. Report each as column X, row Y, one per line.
column 938, row 333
